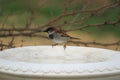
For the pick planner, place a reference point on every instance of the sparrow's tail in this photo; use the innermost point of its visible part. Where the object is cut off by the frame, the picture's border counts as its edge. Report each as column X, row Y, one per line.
column 75, row 38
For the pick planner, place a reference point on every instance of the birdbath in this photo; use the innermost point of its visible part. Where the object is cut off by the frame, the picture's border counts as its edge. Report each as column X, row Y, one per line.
column 55, row 63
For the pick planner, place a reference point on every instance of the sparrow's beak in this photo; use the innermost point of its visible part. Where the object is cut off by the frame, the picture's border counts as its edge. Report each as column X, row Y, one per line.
column 45, row 31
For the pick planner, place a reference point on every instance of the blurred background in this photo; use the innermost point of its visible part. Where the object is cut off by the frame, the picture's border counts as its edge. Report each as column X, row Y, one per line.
column 95, row 22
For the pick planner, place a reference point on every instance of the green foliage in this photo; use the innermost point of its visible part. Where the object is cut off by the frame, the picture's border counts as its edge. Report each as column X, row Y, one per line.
column 54, row 8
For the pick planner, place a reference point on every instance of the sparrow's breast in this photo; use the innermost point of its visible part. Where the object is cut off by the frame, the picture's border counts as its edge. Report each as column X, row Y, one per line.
column 51, row 36
column 59, row 39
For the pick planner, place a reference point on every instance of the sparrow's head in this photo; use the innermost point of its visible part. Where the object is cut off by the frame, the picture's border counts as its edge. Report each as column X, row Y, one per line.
column 49, row 29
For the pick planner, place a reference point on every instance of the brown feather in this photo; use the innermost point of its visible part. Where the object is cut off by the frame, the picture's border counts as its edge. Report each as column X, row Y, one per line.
column 62, row 33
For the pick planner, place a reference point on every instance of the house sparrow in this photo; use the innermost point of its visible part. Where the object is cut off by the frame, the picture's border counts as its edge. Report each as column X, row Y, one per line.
column 58, row 36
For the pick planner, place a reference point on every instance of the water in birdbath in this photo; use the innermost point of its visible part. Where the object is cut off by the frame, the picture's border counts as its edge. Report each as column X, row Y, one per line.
column 56, row 55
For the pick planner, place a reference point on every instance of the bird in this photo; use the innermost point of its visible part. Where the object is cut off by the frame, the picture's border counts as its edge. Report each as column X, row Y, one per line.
column 58, row 36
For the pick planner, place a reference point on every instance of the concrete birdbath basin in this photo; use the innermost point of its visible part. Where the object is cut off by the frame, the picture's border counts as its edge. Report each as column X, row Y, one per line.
column 47, row 63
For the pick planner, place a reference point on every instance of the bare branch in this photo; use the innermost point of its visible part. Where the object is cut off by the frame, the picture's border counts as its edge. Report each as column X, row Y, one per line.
column 96, row 43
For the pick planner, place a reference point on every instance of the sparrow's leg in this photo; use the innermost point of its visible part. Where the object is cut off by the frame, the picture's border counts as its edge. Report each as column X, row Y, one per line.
column 54, row 44
column 64, row 46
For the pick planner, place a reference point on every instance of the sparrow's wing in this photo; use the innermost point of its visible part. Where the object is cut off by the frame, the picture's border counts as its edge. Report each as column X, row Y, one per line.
column 61, row 33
